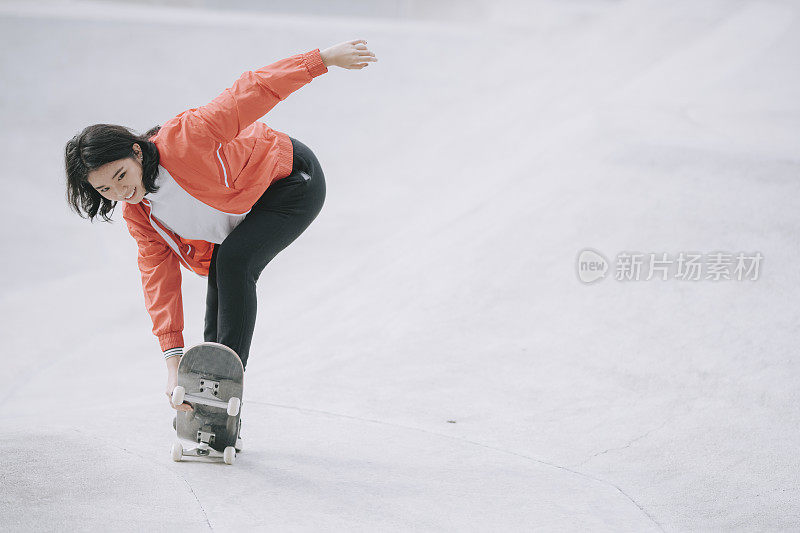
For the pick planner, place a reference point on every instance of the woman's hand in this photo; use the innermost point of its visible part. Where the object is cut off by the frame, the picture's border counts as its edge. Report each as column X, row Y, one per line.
column 350, row 54
column 172, row 381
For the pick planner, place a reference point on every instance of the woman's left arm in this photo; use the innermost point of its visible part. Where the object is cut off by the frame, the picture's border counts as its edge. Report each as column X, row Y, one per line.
column 256, row 92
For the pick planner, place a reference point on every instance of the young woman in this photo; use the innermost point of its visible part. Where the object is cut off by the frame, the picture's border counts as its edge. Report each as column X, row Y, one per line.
column 211, row 190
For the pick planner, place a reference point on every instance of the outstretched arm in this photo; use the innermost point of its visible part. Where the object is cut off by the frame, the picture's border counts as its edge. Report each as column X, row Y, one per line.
column 258, row 91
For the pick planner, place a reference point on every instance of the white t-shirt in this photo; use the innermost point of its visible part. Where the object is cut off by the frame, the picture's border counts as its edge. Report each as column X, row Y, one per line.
column 187, row 216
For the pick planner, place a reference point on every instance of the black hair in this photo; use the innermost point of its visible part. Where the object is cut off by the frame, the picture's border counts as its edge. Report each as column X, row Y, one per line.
column 96, row 146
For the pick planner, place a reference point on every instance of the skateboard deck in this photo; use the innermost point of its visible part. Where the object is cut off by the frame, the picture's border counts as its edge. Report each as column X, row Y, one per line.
column 211, row 380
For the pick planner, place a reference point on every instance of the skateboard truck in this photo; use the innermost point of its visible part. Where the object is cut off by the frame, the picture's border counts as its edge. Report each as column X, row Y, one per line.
column 206, row 397
column 202, row 450
column 209, row 388
column 205, row 437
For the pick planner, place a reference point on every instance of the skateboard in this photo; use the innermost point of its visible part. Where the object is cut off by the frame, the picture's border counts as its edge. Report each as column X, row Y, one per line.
column 211, row 380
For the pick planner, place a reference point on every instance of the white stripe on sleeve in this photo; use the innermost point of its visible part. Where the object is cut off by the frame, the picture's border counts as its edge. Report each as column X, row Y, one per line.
column 172, row 352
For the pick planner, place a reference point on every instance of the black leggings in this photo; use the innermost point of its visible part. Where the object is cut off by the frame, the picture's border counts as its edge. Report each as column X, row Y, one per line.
column 283, row 212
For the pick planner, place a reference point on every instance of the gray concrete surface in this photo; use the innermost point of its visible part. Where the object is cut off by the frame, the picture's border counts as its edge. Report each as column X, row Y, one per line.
column 425, row 356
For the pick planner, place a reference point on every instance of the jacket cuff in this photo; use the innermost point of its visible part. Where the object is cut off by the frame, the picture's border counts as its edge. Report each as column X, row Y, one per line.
column 173, row 352
column 170, row 339
column 314, row 64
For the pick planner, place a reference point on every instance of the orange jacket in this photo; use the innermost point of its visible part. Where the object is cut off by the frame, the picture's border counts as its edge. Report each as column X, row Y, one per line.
column 221, row 156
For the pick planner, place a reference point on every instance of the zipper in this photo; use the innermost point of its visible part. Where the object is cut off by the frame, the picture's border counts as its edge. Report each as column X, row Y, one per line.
column 171, row 242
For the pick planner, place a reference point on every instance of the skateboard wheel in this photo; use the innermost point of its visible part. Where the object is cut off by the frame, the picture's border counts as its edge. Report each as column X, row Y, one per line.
column 178, row 393
column 177, row 451
column 229, row 455
column 233, row 406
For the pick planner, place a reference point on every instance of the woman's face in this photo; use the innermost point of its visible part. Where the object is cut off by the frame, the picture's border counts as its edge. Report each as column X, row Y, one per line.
column 120, row 179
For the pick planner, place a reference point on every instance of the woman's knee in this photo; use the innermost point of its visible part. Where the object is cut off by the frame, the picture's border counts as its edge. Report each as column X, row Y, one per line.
column 232, row 262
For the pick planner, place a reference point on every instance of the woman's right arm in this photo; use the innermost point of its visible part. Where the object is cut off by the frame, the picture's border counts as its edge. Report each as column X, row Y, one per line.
column 161, row 281
column 161, row 284
column 172, row 381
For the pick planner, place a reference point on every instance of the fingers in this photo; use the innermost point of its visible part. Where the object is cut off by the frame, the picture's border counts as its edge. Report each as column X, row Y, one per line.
column 185, row 406
column 362, row 59
column 363, row 50
column 356, row 41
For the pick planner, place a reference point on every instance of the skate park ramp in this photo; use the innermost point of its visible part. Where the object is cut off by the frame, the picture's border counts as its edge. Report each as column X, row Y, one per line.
column 426, row 356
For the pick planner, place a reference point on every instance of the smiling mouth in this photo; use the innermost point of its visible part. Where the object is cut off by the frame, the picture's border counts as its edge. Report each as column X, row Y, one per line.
column 131, row 196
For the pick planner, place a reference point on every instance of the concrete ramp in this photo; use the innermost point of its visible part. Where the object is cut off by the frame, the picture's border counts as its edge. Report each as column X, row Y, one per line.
column 426, row 356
